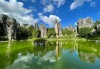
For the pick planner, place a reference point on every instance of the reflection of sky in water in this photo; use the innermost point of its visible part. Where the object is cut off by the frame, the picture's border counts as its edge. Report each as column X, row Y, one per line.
column 68, row 60
column 84, row 55
column 29, row 60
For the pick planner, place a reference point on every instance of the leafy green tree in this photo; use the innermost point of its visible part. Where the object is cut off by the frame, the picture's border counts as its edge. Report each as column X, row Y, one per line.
column 85, row 32
column 51, row 32
column 1, row 30
column 23, row 33
column 95, row 26
column 67, row 32
column 31, row 29
column 36, row 33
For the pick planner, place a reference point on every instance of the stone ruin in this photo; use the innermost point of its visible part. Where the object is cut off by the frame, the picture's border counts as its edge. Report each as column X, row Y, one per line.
column 86, row 22
column 9, row 26
column 98, row 27
column 36, row 27
column 71, row 28
column 43, row 31
column 58, row 29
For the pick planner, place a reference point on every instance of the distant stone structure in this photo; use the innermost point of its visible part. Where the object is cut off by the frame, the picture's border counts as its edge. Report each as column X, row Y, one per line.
column 58, row 29
column 71, row 28
column 85, row 22
column 98, row 27
column 43, row 31
column 36, row 27
column 9, row 26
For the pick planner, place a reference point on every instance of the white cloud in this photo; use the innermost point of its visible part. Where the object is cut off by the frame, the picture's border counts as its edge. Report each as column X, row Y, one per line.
column 78, row 3
column 59, row 2
column 98, row 12
column 33, row 0
column 52, row 4
column 16, row 10
column 49, row 20
column 29, row 0
column 93, row 4
column 49, row 8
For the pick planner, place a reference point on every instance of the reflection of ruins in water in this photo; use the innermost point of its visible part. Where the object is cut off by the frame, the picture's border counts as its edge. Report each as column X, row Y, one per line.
column 5, row 57
column 58, row 50
column 52, row 51
column 88, row 52
column 88, row 57
column 8, row 48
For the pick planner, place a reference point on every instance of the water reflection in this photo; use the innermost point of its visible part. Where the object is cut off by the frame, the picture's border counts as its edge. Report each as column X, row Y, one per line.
column 89, row 51
column 58, row 50
column 41, row 57
column 23, row 55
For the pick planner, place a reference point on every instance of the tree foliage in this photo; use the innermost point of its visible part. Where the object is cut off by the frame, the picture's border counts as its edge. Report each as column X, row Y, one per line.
column 1, row 30
column 23, row 33
column 85, row 32
column 67, row 32
column 51, row 32
column 95, row 26
column 36, row 33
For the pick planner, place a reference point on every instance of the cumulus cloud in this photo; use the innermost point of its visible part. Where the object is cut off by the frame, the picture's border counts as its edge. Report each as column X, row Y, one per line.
column 16, row 10
column 49, row 20
column 93, row 4
column 99, row 12
column 52, row 4
column 59, row 2
column 78, row 3
column 33, row 0
column 30, row 0
column 49, row 8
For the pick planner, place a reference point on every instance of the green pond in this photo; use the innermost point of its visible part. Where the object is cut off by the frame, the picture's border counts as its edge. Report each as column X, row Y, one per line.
column 69, row 54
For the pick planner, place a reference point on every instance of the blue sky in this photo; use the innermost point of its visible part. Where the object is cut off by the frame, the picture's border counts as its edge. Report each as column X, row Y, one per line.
column 67, row 12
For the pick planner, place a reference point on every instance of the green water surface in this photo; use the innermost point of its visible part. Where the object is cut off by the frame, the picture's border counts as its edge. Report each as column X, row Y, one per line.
column 55, row 55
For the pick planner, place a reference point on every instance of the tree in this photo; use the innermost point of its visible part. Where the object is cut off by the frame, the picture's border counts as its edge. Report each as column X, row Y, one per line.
column 36, row 33
column 85, row 32
column 1, row 30
column 51, row 32
column 31, row 29
column 95, row 26
column 67, row 32
column 23, row 33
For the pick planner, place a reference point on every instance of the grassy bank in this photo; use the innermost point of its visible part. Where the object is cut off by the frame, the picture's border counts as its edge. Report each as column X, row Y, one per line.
column 62, row 39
